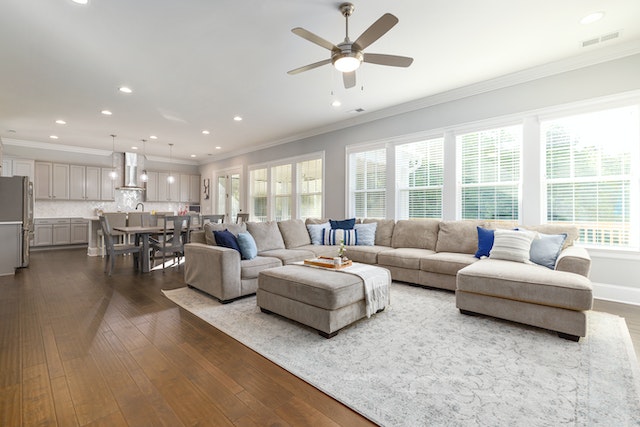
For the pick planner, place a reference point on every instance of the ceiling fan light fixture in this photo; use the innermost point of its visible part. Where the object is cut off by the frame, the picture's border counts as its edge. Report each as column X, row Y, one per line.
column 349, row 62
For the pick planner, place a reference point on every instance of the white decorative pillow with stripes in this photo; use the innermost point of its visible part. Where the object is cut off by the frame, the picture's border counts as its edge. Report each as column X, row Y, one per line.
column 512, row 245
column 334, row 237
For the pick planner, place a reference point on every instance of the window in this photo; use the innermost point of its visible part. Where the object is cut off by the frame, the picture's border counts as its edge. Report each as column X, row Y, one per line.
column 368, row 180
column 310, row 188
column 259, row 192
column 419, row 179
column 592, row 174
column 490, row 173
column 287, row 190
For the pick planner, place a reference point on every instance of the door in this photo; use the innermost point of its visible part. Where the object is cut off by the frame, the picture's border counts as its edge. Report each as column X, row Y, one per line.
column 228, row 199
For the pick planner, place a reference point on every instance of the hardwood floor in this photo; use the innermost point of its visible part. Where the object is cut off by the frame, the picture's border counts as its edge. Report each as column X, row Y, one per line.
column 80, row 348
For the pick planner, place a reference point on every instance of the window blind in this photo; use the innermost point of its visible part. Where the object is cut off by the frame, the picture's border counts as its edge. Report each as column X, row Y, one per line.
column 258, row 192
column 310, row 188
column 368, row 170
column 490, row 173
column 591, row 168
column 419, row 179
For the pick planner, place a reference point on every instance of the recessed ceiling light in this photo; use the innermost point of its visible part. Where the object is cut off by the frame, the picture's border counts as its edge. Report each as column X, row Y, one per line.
column 53, row 136
column 153, row 137
column 237, row 118
column 80, row 1
column 193, row 155
column 205, row 132
column 336, row 103
column 592, row 17
column 61, row 122
column 134, row 147
column 106, row 112
column 217, row 148
column 125, row 89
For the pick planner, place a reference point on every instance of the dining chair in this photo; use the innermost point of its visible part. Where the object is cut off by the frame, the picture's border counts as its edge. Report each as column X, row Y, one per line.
column 242, row 217
column 116, row 219
column 138, row 219
column 215, row 218
column 171, row 240
column 112, row 248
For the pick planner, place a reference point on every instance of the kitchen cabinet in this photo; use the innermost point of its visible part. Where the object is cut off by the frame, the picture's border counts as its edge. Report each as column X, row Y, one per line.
column 152, row 187
column 79, row 231
column 51, row 181
column 84, row 182
column 58, row 231
column 107, row 184
column 190, row 188
column 168, row 191
column 17, row 167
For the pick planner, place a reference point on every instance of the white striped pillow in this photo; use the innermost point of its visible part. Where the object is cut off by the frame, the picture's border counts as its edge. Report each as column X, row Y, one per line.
column 512, row 245
column 333, row 237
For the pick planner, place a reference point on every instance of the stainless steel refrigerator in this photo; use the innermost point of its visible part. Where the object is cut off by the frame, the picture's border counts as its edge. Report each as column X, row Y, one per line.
column 16, row 219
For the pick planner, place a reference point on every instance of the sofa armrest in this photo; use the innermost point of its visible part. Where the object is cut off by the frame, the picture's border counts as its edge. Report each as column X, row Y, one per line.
column 574, row 259
column 197, row 236
column 213, row 269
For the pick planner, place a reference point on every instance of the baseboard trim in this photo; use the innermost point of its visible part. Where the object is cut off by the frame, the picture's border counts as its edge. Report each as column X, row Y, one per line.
column 616, row 293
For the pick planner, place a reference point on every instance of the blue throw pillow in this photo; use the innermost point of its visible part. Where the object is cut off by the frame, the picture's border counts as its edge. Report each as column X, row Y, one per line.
column 344, row 224
column 248, row 247
column 366, row 233
column 485, row 242
column 545, row 249
column 226, row 239
column 315, row 232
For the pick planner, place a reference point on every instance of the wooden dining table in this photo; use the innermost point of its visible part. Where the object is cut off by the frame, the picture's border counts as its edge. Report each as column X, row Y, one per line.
column 142, row 234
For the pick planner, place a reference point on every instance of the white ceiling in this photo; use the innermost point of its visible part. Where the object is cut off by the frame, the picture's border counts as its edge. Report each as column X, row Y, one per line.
column 195, row 64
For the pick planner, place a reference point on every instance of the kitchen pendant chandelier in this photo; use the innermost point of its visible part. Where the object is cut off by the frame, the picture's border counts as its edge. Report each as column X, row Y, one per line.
column 170, row 178
column 113, row 174
column 144, row 177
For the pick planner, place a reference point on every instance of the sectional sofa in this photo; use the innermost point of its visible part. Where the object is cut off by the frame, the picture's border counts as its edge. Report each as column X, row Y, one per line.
column 426, row 252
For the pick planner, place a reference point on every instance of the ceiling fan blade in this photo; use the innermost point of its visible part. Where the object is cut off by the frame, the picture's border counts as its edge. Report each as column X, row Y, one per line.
column 376, row 30
column 392, row 60
column 308, row 35
column 349, row 79
column 310, row 66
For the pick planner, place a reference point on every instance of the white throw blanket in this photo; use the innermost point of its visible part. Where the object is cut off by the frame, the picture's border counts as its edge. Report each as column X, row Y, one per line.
column 377, row 283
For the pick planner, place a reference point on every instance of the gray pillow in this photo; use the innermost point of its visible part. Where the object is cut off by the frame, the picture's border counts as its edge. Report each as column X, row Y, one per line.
column 545, row 250
column 210, row 227
column 316, row 232
column 366, row 233
column 266, row 234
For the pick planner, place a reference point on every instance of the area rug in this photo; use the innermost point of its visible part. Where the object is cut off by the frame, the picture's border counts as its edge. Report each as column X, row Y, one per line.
column 421, row 362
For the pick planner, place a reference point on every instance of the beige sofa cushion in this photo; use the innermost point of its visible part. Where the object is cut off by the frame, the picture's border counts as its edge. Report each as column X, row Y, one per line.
column 288, row 256
column 446, row 262
column 384, row 230
column 250, row 268
column 210, row 227
column 266, row 234
column 527, row 283
column 294, row 233
column 459, row 236
column 416, row 233
column 403, row 257
column 365, row 254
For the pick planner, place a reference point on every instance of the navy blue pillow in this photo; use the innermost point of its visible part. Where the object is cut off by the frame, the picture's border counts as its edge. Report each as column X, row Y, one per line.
column 344, row 224
column 226, row 239
column 485, row 242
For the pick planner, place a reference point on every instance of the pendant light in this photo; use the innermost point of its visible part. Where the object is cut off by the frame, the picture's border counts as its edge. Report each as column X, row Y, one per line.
column 170, row 178
column 144, row 177
column 113, row 174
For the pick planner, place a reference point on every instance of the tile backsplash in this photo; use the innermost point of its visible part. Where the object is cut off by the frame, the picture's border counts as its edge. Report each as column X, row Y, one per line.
column 82, row 209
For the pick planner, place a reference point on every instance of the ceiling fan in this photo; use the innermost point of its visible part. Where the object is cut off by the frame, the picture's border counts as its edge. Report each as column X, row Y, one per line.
column 347, row 56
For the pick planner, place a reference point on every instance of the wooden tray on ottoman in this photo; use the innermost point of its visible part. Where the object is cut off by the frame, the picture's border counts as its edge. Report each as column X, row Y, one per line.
column 327, row 262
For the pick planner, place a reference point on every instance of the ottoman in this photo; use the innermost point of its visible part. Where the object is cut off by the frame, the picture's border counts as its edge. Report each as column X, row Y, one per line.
column 323, row 299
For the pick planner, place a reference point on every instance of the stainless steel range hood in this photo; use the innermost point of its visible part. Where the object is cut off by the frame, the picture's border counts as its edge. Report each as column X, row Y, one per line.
column 132, row 162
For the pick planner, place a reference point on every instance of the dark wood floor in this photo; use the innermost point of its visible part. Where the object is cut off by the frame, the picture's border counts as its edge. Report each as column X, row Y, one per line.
column 80, row 348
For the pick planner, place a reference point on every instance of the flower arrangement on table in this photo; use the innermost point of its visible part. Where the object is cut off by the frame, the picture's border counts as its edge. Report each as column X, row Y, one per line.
column 342, row 251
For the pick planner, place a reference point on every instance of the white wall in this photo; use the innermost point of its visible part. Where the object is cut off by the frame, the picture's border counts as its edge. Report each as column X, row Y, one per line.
column 616, row 274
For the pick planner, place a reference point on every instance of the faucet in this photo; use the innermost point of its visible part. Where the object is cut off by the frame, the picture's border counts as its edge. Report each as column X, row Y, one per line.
column 140, row 203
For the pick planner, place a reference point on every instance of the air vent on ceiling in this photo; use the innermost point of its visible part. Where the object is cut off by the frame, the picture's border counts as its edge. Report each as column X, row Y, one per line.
column 357, row 110
column 601, row 39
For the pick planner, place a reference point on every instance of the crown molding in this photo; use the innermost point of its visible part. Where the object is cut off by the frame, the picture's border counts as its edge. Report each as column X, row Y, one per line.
column 593, row 57
column 55, row 147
